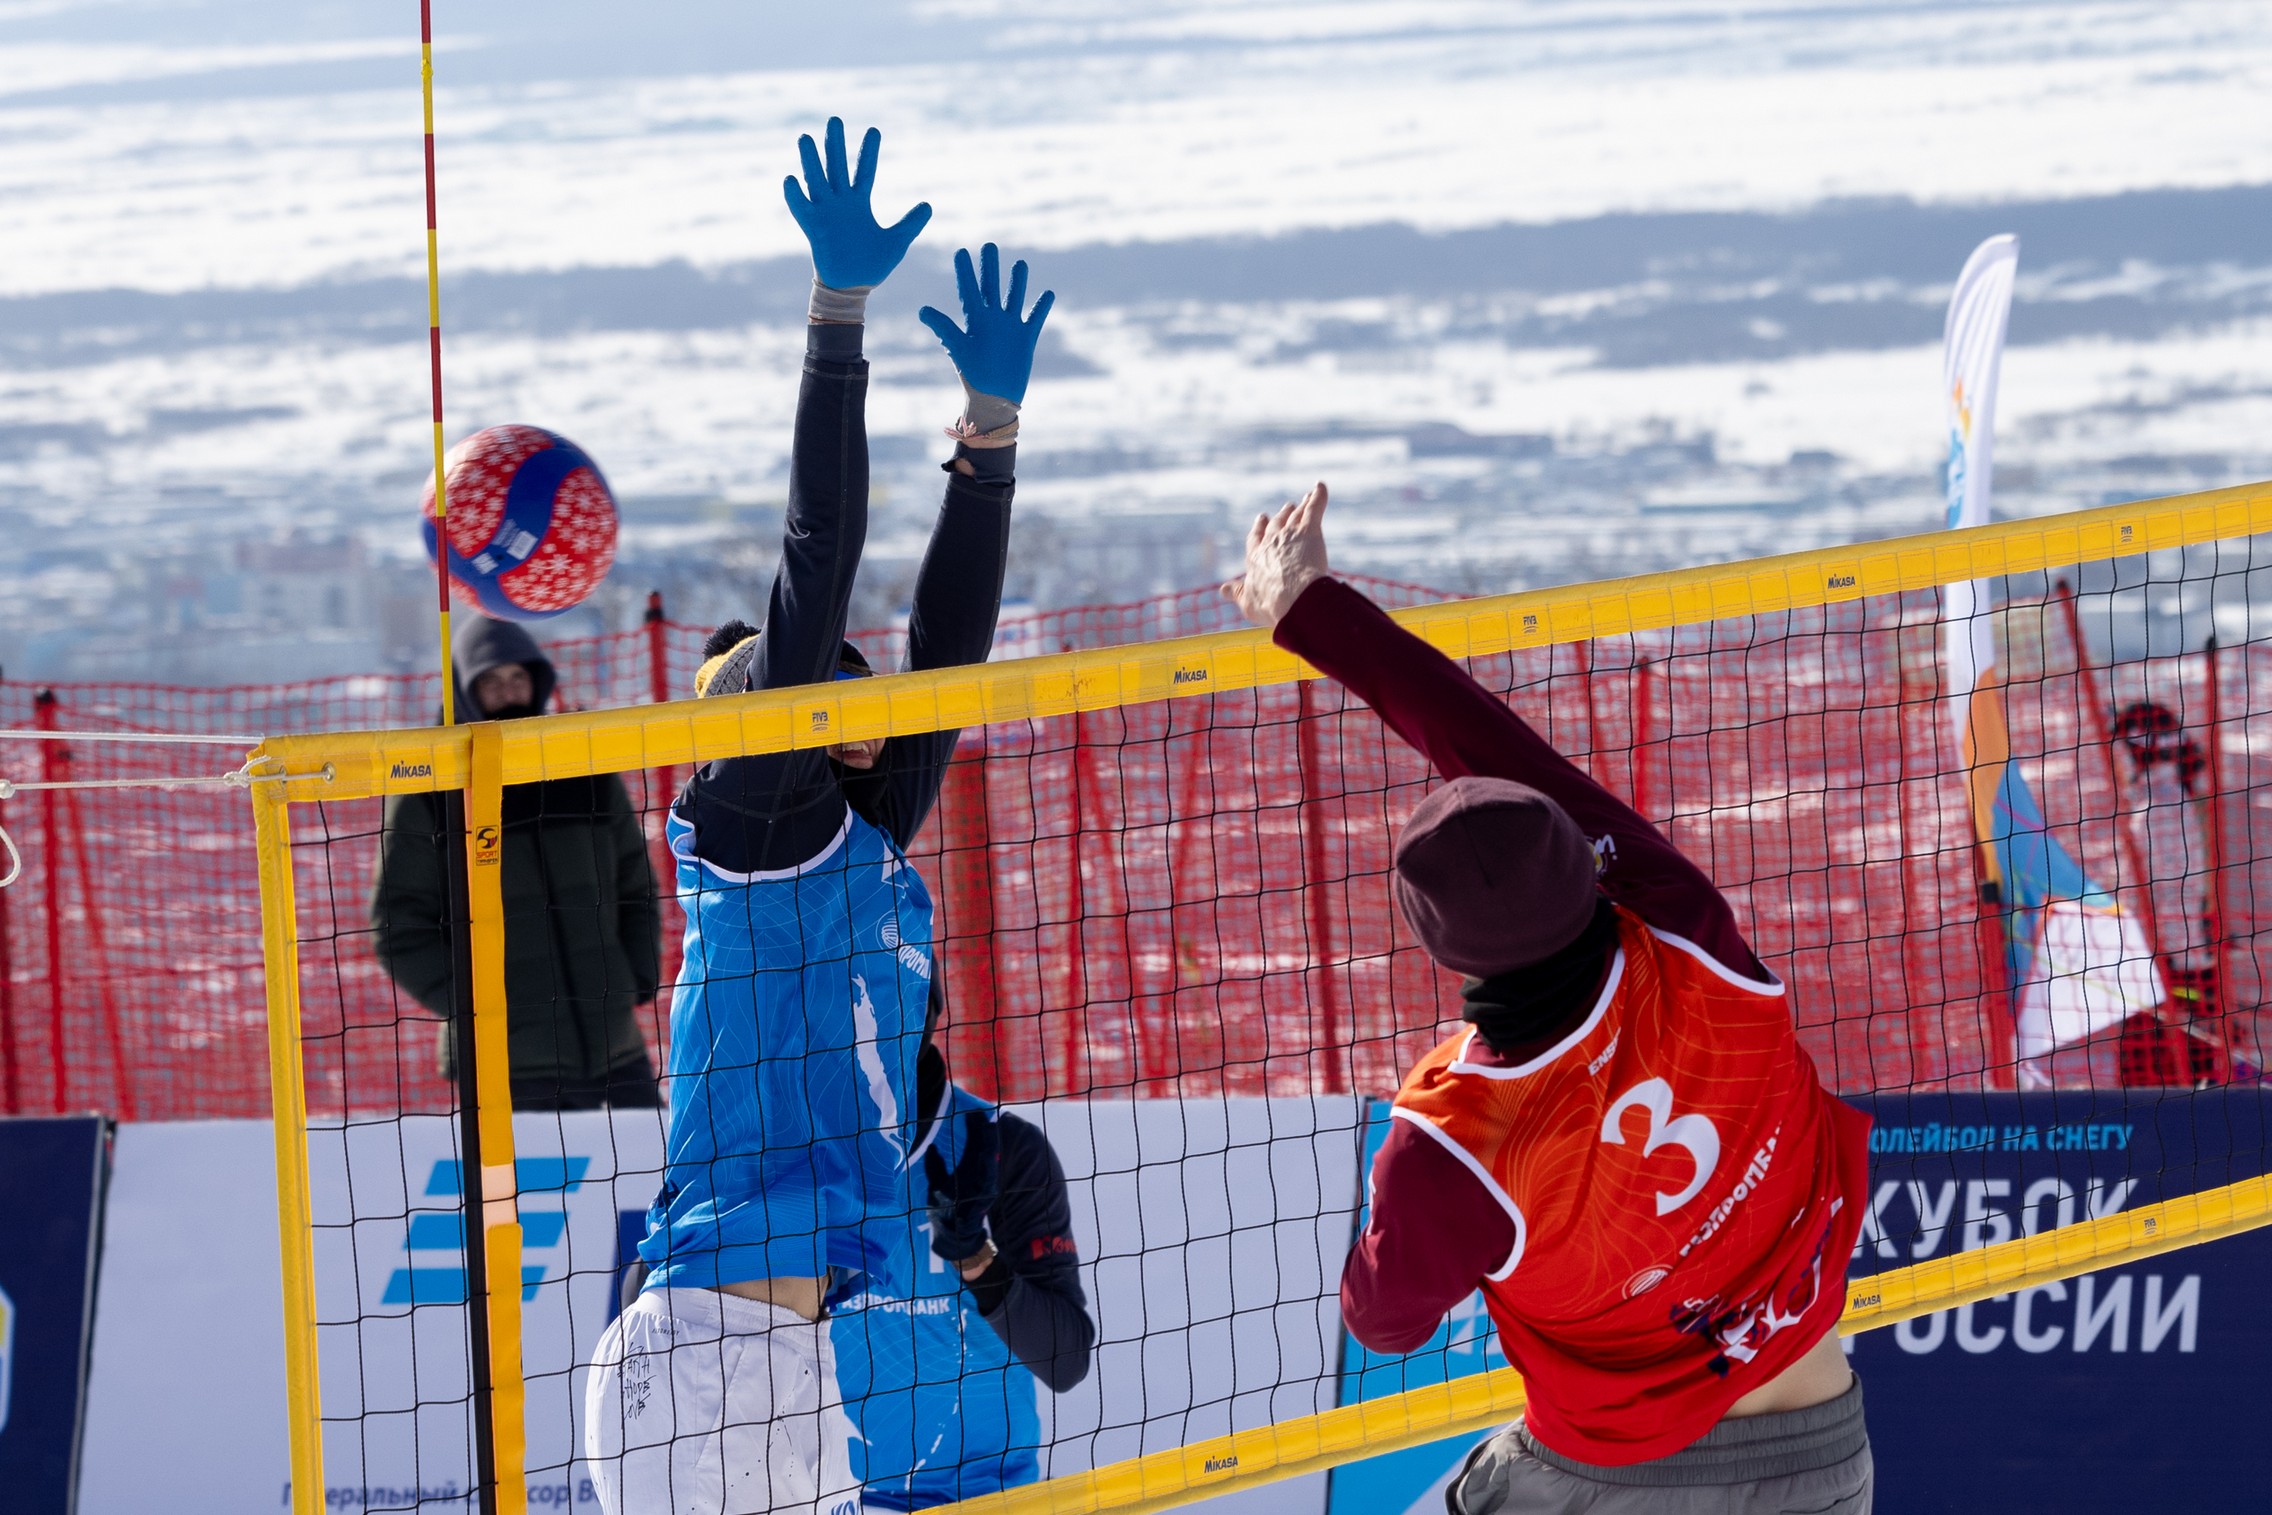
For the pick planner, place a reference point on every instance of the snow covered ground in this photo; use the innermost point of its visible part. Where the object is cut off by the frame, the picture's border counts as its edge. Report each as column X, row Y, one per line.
column 265, row 142
column 1547, row 289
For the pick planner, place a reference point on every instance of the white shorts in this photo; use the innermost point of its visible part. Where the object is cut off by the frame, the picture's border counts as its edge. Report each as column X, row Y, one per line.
column 701, row 1403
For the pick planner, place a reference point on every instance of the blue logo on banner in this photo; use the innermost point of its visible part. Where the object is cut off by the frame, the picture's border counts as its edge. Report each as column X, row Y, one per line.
column 437, row 1233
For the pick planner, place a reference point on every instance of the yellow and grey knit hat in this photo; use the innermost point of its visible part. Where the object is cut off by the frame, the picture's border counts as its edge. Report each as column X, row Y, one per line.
column 728, row 652
column 726, row 656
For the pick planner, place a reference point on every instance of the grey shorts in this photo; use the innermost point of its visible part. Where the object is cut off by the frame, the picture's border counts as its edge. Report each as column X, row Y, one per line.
column 1814, row 1461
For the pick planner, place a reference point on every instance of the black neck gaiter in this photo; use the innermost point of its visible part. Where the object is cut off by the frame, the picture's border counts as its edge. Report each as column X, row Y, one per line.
column 1536, row 1001
column 930, row 1088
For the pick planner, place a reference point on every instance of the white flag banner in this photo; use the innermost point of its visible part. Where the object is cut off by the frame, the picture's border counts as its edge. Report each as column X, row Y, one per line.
column 1972, row 353
column 2093, row 970
column 2082, row 965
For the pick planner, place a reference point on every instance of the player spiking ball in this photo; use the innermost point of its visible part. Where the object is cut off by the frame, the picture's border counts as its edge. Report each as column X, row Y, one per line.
column 1625, row 1148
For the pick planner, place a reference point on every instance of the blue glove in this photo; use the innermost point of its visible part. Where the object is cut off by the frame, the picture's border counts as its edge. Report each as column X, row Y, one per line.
column 995, row 355
column 850, row 251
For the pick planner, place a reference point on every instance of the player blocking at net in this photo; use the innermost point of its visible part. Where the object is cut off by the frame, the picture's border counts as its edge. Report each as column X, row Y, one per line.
column 1626, row 1149
column 799, row 1014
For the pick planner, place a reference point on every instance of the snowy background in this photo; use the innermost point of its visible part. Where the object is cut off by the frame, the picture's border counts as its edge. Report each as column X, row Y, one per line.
column 1548, row 290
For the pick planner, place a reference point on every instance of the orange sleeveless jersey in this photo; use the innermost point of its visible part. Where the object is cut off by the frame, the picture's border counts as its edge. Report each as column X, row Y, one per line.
column 1685, row 1197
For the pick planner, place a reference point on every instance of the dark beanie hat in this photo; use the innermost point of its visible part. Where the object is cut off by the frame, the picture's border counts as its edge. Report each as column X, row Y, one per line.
column 1493, row 876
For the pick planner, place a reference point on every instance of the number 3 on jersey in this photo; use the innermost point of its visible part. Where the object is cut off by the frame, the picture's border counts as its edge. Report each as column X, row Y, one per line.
column 1692, row 1133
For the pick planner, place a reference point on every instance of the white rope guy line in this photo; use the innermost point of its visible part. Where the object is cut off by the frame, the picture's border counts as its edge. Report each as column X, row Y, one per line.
column 9, row 788
column 168, row 737
column 240, row 778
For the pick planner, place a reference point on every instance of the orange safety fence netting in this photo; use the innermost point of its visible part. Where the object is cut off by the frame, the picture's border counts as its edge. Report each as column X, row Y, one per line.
column 1189, row 896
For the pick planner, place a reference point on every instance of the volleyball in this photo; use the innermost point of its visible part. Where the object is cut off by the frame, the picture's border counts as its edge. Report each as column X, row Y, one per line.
column 531, row 522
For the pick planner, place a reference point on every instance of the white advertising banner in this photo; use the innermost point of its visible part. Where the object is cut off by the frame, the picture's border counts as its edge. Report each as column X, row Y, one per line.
column 1212, row 1232
column 185, row 1390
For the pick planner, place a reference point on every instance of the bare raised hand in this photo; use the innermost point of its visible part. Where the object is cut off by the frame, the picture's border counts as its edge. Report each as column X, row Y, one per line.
column 1285, row 554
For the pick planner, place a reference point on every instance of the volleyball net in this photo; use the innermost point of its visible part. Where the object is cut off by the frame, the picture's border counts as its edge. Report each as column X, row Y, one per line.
column 1160, row 861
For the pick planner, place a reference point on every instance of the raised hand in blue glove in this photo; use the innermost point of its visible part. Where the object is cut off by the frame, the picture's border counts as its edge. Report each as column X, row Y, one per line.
column 850, row 251
column 993, row 348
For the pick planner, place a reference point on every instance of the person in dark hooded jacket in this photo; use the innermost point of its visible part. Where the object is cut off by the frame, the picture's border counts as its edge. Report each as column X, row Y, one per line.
column 582, row 926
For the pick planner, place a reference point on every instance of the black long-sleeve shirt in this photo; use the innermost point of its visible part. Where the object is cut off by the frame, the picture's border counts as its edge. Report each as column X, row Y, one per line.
column 1031, row 1295
column 780, row 809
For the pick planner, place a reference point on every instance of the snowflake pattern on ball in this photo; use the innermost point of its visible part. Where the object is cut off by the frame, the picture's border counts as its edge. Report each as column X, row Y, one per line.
column 575, row 553
column 481, row 470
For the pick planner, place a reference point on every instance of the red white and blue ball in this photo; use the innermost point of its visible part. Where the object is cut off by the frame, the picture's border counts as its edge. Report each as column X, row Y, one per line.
column 531, row 522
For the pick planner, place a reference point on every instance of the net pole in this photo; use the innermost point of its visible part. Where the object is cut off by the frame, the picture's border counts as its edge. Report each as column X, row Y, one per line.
column 499, row 1307
column 434, row 354
column 493, row 1412
column 287, row 1092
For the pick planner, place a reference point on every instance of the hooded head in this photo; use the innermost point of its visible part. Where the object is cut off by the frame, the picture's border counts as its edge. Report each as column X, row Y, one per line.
column 483, row 644
column 1494, row 876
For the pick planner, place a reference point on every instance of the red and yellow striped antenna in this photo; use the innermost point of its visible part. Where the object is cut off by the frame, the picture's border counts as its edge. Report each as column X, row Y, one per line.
column 434, row 348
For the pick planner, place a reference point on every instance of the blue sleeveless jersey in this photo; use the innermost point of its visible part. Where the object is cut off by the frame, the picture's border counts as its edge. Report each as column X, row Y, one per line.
column 940, row 1409
column 795, row 1029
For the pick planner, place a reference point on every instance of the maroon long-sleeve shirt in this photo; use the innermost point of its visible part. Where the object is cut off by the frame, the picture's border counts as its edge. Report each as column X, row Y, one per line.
column 1435, row 1230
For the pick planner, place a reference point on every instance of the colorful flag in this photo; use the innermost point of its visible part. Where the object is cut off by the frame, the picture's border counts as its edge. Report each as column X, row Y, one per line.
column 2079, row 962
